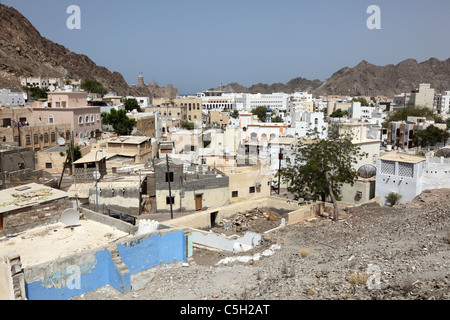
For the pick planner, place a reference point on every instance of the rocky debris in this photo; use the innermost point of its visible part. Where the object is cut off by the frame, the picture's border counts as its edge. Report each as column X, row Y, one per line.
column 377, row 253
column 257, row 220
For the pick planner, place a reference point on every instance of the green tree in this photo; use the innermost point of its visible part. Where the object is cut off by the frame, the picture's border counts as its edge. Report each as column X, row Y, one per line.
column 277, row 119
column 339, row 114
column 119, row 120
column 322, row 167
column 188, row 125
column 261, row 112
column 430, row 136
column 93, row 86
column 36, row 93
column 131, row 104
column 411, row 111
column 234, row 114
column 363, row 101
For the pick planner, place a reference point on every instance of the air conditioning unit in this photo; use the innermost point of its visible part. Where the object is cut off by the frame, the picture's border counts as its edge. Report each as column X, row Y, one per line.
column 258, row 185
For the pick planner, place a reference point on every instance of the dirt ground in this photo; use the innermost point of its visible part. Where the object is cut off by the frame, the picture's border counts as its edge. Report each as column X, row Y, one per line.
column 382, row 253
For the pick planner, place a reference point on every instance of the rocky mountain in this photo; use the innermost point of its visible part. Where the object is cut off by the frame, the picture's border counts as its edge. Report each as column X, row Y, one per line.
column 386, row 80
column 294, row 85
column 24, row 52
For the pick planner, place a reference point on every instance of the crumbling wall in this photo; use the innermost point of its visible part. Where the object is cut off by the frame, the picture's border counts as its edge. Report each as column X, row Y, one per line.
column 30, row 217
column 78, row 274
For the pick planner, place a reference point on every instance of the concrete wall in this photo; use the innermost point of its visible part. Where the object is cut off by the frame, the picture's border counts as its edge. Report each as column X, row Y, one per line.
column 30, row 217
column 114, row 266
column 202, row 220
column 5, row 280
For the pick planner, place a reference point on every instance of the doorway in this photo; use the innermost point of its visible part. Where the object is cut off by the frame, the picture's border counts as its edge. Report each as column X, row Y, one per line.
column 198, row 202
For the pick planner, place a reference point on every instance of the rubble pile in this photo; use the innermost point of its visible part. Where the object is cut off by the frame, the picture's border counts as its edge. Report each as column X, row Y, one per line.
column 256, row 220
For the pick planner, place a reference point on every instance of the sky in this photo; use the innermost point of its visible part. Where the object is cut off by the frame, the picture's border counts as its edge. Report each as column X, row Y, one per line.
column 200, row 44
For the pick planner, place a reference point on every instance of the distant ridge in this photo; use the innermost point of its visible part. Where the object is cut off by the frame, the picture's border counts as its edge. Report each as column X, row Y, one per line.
column 386, row 80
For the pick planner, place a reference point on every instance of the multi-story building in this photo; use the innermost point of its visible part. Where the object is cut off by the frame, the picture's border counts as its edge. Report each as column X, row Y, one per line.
column 8, row 98
column 443, row 103
column 137, row 146
column 423, row 96
column 85, row 122
column 66, row 99
column 42, row 82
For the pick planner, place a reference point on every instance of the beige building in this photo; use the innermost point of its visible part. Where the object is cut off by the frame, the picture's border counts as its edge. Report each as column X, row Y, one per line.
column 423, row 96
column 193, row 106
column 146, row 124
column 248, row 183
column 218, row 118
column 52, row 159
column 67, row 99
column 137, row 146
column 37, row 137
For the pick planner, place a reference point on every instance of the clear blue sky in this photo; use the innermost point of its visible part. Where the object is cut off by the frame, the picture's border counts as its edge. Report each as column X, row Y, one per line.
column 199, row 44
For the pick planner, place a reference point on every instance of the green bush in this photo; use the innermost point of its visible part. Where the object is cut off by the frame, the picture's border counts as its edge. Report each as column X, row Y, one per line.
column 393, row 198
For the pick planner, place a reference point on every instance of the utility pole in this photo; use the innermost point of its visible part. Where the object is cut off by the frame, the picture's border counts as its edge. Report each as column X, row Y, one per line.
column 2, row 168
column 280, row 157
column 170, row 190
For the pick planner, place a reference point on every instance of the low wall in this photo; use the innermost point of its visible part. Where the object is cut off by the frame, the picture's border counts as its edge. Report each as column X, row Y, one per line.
column 241, row 244
column 202, row 220
column 113, row 222
column 78, row 274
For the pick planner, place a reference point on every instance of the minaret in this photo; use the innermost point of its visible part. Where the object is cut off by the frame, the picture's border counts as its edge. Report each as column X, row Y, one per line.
column 141, row 80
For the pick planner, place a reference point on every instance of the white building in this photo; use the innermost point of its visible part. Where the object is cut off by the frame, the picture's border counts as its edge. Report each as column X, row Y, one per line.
column 42, row 82
column 409, row 175
column 301, row 122
column 443, row 103
column 8, row 98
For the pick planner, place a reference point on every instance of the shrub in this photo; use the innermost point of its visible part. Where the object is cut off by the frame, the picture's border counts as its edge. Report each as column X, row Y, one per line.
column 393, row 198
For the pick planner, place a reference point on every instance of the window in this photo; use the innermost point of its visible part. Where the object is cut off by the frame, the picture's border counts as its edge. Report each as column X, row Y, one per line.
column 80, row 120
column 28, row 139
column 50, row 119
column 46, row 137
column 81, row 135
column 36, row 139
column 53, row 136
column 168, row 200
column 87, row 119
column 92, row 118
column 170, row 175
column 98, row 117
column 203, row 161
column 251, row 190
column 234, row 194
column 48, row 165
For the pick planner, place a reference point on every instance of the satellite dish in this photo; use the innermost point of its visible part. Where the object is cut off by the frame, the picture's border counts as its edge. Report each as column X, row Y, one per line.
column 96, row 175
column 61, row 141
column 70, row 217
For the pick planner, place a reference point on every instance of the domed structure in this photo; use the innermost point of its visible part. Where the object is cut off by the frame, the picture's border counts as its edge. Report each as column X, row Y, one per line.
column 367, row 171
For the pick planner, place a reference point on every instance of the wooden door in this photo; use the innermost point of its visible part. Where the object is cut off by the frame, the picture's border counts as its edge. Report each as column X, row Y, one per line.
column 198, row 202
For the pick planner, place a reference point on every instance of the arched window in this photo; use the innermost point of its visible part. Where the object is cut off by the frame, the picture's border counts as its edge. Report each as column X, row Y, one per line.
column 264, row 136
column 87, row 119
column 50, row 119
column 254, row 136
column 80, row 120
column 92, row 118
column 273, row 136
column 81, row 135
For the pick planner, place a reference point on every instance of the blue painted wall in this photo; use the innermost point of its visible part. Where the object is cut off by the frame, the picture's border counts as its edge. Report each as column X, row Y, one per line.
column 137, row 255
column 94, row 274
column 155, row 250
